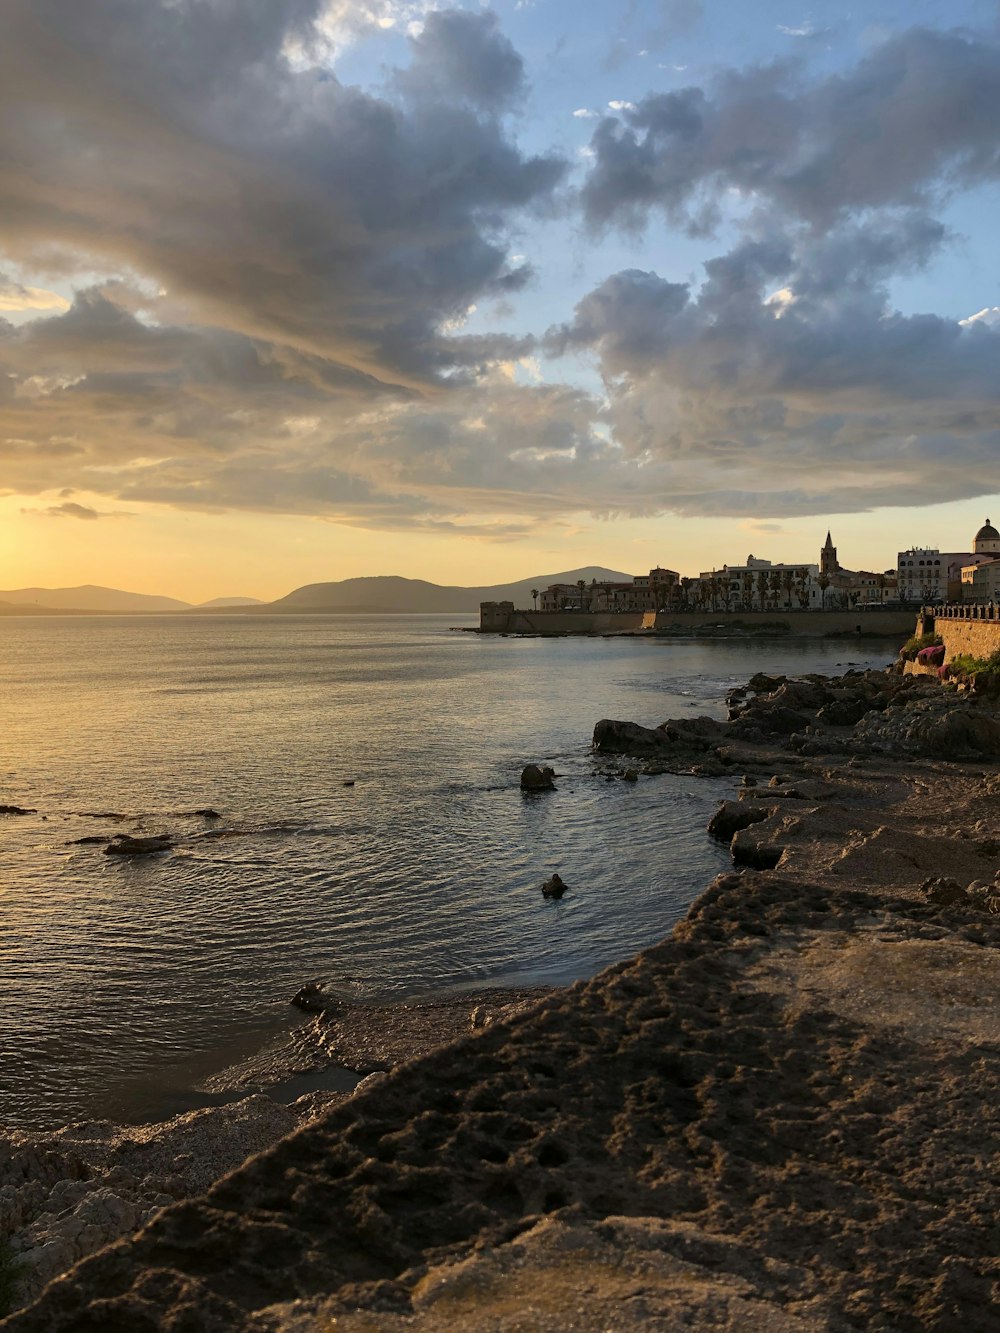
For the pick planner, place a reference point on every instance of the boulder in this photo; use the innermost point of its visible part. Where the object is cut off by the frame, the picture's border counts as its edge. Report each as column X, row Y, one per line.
column 123, row 844
column 553, row 887
column 313, row 997
column 764, row 720
column 940, row 726
column 748, row 848
column 612, row 737
column 843, row 712
column 762, row 684
column 945, row 892
column 536, row 778
column 732, row 816
column 690, row 736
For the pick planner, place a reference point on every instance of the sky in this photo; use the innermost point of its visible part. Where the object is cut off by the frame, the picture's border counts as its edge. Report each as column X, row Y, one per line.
column 296, row 290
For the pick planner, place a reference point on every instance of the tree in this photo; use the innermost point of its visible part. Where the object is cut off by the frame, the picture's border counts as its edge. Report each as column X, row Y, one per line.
column 581, row 584
column 787, row 585
column 824, row 583
column 534, row 597
column 762, row 581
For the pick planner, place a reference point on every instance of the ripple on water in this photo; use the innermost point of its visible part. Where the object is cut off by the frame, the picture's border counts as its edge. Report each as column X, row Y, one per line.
column 424, row 876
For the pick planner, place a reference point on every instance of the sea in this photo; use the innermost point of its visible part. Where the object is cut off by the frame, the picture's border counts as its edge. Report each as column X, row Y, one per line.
column 371, row 833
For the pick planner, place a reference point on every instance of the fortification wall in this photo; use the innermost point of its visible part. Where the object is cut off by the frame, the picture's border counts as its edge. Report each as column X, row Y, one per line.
column 565, row 622
column 497, row 618
column 979, row 638
column 812, row 624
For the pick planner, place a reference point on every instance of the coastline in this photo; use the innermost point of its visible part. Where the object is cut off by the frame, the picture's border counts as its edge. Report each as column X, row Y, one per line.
column 777, row 1110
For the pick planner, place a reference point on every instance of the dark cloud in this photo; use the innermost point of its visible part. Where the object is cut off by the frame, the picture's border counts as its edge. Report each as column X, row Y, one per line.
column 916, row 117
column 269, row 199
column 465, row 55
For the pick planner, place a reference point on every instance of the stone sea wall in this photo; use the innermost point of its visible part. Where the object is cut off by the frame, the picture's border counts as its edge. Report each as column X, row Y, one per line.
column 976, row 637
column 808, row 624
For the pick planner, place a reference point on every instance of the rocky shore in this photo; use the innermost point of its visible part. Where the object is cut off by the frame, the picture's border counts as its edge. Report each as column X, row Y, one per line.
column 779, row 1118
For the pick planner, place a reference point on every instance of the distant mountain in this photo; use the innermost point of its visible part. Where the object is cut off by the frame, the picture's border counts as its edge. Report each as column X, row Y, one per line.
column 392, row 594
column 90, row 598
column 9, row 609
column 230, row 601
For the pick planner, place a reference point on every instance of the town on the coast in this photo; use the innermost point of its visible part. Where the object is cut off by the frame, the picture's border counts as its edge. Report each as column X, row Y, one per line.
column 922, row 576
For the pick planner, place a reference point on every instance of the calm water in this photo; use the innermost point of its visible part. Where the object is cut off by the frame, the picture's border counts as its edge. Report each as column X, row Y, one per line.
column 124, row 980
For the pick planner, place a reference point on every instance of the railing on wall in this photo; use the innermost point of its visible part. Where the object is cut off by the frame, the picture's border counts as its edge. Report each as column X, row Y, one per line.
column 986, row 611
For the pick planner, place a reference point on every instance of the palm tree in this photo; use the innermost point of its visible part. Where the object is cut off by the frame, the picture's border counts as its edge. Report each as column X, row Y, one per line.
column 581, row 584
column 824, row 583
column 762, row 582
column 534, row 597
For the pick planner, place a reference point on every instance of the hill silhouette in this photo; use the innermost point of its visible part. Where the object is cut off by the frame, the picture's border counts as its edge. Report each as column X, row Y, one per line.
column 391, row 593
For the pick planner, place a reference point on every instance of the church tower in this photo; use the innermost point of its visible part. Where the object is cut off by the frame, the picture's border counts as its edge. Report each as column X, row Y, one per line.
column 828, row 562
column 987, row 541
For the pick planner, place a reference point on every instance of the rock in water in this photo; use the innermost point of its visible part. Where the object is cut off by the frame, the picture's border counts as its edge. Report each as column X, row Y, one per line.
column 536, row 778
column 124, row 845
column 313, row 997
column 554, row 887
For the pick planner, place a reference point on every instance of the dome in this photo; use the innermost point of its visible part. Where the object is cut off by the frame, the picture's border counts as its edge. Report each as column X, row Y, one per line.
column 988, row 533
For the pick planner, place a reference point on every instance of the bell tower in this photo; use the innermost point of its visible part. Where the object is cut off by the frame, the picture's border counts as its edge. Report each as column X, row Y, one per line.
column 828, row 562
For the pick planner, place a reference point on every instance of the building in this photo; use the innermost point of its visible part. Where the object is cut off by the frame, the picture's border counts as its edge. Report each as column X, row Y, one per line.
column 981, row 583
column 926, row 574
column 980, row 578
column 757, row 585
column 645, row 592
column 566, row 597
column 828, row 562
column 987, row 541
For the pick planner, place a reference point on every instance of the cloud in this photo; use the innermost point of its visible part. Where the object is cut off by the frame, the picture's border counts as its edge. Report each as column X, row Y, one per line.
column 912, row 120
column 70, row 509
column 828, row 400
column 268, row 199
column 291, row 327
column 988, row 316
column 14, row 296
column 465, row 55
column 584, row 113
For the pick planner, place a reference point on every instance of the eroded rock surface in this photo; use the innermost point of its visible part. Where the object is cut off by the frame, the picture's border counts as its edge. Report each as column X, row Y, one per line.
column 66, row 1194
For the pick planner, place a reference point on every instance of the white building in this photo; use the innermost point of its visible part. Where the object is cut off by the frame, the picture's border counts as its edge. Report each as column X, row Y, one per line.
column 759, row 584
column 926, row 574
